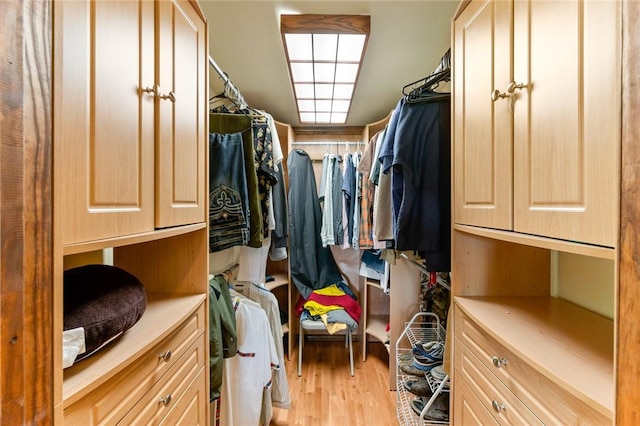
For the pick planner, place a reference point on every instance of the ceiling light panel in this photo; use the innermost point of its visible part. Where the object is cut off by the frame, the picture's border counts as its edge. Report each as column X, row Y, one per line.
column 324, row 53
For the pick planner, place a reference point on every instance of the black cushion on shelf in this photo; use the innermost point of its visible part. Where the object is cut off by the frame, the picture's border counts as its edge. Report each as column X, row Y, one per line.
column 104, row 300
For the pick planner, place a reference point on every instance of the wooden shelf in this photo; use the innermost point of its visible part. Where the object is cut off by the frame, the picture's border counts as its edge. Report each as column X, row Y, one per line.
column 376, row 327
column 542, row 242
column 131, row 239
column 163, row 314
column 373, row 283
column 569, row 345
column 280, row 279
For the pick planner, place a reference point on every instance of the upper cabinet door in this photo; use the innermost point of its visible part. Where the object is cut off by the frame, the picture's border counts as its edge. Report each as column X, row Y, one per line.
column 182, row 115
column 104, row 136
column 482, row 127
column 567, row 119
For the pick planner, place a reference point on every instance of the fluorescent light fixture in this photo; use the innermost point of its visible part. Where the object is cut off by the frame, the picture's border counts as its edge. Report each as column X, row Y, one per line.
column 324, row 54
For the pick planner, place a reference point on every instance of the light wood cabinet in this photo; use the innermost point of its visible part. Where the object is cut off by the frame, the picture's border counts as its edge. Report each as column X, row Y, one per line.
column 130, row 101
column 540, row 157
column 130, row 145
column 528, row 183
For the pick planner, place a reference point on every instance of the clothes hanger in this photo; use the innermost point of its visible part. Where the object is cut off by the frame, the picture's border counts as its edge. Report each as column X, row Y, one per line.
column 423, row 90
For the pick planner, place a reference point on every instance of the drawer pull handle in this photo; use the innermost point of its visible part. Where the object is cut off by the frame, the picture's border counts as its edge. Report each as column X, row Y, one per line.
column 498, row 406
column 165, row 356
column 498, row 362
column 166, row 400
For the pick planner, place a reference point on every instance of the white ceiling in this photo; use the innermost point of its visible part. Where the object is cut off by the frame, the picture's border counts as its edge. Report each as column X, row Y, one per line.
column 407, row 40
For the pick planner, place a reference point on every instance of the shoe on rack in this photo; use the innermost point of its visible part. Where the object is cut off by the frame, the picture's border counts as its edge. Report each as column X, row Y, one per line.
column 419, row 387
column 411, row 370
column 438, row 373
column 428, row 352
column 425, row 367
column 439, row 410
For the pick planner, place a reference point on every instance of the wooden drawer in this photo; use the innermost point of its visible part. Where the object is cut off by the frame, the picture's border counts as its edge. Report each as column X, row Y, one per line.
column 167, row 393
column 549, row 402
column 505, row 407
column 467, row 408
column 191, row 408
column 111, row 401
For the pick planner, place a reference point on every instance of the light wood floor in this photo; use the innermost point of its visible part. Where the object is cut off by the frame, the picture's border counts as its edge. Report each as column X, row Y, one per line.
column 326, row 395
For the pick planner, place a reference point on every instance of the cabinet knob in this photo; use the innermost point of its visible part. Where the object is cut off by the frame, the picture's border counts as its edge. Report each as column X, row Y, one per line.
column 513, row 86
column 496, row 94
column 498, row 362
column 171, row 96
column 498, row 406
column 165, row 356
column 153, row 90
column 165, row 400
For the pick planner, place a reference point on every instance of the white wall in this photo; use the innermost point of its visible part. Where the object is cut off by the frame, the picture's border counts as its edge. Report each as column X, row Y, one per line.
column 585, row 281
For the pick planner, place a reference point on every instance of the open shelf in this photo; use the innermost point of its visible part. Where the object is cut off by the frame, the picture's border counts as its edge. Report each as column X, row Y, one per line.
column 280, row 279
column 376, row 327
column 570, row 345
column 163, row 314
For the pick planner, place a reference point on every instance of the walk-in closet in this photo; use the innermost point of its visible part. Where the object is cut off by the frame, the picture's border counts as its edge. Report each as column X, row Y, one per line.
column 319, row 213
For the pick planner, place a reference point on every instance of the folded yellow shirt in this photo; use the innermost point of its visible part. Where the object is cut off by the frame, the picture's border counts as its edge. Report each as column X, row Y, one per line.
column 332, row 290
column 316, row 308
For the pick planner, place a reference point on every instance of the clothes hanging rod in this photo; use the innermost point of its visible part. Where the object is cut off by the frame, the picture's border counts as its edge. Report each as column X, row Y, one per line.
column 219, row 70
column 228, row 84
column 422, row 269
column 327, row 143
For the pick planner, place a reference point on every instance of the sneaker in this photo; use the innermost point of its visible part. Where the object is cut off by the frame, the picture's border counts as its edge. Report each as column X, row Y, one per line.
column 411, row 370
column 419, row 387
column 439, row 410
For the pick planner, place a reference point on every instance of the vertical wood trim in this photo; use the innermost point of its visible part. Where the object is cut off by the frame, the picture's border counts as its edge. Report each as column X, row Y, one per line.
column 25, row 213
column 628, row 323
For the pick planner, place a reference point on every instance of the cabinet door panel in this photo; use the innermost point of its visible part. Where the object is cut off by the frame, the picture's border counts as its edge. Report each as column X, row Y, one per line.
column 483, row 129
column 566, row 121
column 103, row 138
column 180, row 149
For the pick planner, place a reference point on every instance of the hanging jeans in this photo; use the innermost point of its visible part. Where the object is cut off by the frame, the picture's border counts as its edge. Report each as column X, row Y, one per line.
column 228, row 194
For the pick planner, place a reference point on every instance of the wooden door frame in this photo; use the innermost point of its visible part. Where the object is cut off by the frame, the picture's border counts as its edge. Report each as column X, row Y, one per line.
column 26, row 359
column 628, row 321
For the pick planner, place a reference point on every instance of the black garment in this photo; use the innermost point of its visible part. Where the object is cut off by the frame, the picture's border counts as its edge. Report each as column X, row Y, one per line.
column 280, row 235
column 312, row 266
column 349, row 190
column 422, row 180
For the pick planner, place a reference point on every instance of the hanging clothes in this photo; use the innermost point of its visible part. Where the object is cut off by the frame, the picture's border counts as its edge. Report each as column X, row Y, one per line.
column 366, row 202
column 228, row 193
column 235, row 123
column 325, row 196
column 247, row 376
column 312, row 266
column 222, row 331
column 280, row 234
column 330, row 197
column 280, row 388
column 421, row 181
column 265, row 168
column 357, row 201
column 349, row 193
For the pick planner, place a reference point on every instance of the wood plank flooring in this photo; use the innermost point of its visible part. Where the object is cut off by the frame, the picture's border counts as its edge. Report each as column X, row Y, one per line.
column 326, row 395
